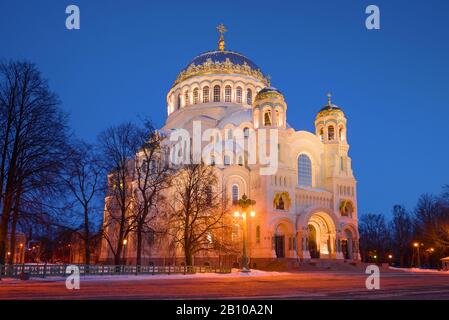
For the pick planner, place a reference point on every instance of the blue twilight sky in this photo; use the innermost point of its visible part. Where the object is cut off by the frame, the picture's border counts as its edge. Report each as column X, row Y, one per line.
column 392, row 84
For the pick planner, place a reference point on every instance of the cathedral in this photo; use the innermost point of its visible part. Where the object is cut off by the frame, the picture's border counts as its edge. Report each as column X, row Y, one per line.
column 307, row 207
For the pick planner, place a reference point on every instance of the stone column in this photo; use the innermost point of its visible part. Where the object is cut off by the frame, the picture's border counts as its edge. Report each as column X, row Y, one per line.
column 339, row 254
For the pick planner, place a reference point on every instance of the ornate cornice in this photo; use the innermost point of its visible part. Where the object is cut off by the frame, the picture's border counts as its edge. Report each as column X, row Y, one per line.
column 226, row 67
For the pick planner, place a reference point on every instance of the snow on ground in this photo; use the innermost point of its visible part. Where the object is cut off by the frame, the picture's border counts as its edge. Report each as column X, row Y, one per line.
column 130, row 277
column 417, row 270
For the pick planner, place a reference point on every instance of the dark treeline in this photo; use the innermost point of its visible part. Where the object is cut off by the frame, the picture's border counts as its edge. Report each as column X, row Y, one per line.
column 417, row 238
column 33, row 144
column 53, row 185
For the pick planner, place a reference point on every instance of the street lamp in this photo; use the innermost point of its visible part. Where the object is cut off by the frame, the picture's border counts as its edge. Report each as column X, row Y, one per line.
column 125, row 241
column 416, row 245
column 244, row 203
column 22, row 256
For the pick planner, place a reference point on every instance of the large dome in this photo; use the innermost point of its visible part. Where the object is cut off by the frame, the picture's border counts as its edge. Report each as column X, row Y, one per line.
column 221, row 56
column 220, row 62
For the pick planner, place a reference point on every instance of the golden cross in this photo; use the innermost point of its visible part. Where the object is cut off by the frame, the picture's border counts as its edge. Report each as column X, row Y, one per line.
column 269, row 80
column 329, row 96
column 221, row 29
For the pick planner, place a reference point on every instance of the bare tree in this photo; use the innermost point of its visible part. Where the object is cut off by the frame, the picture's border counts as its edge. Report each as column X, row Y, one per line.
column 374, row 236
column 118, row 147
column 401, row 232
column 432, row 219
column 196, row 215
column 153, row 177
column 82, row 177
column 33, row 137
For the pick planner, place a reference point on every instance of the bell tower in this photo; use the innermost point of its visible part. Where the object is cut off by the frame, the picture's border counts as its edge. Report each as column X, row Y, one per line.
column 270, row 109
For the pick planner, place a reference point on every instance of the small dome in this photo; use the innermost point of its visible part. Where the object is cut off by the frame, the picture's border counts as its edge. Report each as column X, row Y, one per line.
column 269, row 92
column 329, row 109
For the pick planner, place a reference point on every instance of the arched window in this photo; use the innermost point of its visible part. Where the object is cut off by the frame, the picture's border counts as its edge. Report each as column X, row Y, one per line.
column 321, row 134
column 304, row 171
column 206, row 94
column 217, row 93
column 256, row 118
column 230, row 137
column 186, row 98
column 228, row 93
column 179, row 101
column 195, row 96
column 249, row 97
column 279, row 118
column 331, row 133
column 267, row 118
column 246, row 132
column 239, row 94
column 341, row 134
column 235, row 193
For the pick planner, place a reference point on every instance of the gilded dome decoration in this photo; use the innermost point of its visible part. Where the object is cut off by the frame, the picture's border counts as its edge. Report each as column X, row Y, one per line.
column 329, row 109
column 221, row 62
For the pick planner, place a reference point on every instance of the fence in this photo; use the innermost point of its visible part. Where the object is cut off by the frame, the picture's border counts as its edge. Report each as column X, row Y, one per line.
column 59, row 270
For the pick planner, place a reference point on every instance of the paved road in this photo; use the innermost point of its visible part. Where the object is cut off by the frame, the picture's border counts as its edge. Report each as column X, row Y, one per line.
column 304, row 285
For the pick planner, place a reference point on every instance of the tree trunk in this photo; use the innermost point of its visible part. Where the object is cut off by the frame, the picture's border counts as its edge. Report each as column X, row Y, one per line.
column 117, row 257
column 188, row 252
column 86, row 236
column 139, row 244
column 4, row 228
column 15, row 217
column 189, row 258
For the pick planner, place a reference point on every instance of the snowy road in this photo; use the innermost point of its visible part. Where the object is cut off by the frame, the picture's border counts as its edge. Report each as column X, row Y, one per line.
column 304, row 285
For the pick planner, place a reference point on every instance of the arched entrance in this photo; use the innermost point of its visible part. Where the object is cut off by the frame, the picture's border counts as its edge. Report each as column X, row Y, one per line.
column 321, row 235
column 279, row 240
column 313, row 247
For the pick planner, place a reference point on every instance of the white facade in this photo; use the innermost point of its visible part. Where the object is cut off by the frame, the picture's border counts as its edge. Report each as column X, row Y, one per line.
column 308, row 208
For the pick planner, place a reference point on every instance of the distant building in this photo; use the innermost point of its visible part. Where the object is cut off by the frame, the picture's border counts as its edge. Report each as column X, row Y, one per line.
column 19, row 250
column 76, row 250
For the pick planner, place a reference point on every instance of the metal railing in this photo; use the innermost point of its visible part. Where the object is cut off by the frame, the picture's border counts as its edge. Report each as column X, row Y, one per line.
column 59, row 270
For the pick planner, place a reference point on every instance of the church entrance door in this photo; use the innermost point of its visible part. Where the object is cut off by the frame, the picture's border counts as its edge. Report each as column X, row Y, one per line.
column 345, row 249
column 279, row 242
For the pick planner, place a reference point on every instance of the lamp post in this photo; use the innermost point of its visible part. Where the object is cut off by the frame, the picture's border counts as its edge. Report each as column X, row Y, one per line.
column 125, row 242
column 21, row 255
column 418, row 260
column 244, row 203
